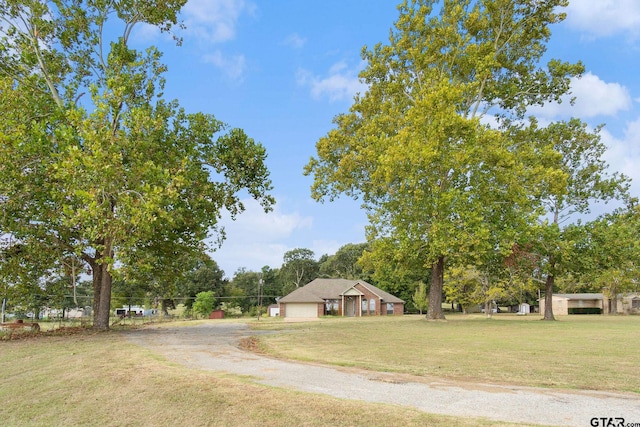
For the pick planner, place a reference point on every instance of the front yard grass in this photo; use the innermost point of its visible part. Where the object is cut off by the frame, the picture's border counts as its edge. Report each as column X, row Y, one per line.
column 103, row 379
column 575, row 352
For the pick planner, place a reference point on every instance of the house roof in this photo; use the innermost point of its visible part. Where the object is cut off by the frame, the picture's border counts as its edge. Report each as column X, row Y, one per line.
column 319, row 290
column 585, row 296
column 592, row 296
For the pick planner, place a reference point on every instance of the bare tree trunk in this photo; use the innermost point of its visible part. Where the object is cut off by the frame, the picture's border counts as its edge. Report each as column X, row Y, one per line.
column 434, row 311
column 102, row 284
column 101, row 316
column 613, row 303
column 96, row 272
column 488, row 309
column 548, row 298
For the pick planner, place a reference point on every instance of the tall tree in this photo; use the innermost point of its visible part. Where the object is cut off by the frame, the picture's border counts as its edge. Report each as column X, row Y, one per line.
column 93, row 161
column 429, row 171
column 271, row 287
column 344, row 263
column 299, row 267
column 245, row 288
column 582, row 179
column 204, row 276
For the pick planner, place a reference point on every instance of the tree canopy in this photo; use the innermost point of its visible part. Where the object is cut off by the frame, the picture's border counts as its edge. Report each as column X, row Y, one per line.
column 438, row 181
column 94, row 162
column 581, row 179
column 299, row 267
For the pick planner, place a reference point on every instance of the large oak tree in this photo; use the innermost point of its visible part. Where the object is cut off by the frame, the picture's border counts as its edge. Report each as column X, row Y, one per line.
column 438, row 181
column 93, row 160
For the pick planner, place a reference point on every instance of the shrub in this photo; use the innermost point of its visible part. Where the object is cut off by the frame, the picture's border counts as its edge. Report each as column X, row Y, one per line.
column 204, row 303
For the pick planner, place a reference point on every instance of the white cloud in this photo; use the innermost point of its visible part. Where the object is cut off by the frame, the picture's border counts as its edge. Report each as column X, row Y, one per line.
column 604, row 17
column 594, row 97
column 623, row 155
column 341, row 83
column 232, row 66
column 214, row 21
column 256, row 238
column 207, row 21
column 322, row 247
column 295, row 41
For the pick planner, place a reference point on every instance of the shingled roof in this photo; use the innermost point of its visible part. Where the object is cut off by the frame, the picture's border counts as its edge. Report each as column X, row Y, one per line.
column 319, row 290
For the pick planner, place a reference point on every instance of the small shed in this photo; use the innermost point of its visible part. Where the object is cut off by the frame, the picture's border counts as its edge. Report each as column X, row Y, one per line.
column 524, row 309
column 216, row 314
column 274, row 310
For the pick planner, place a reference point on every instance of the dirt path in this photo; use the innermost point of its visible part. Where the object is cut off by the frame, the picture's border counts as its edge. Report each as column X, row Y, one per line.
column 214, row 346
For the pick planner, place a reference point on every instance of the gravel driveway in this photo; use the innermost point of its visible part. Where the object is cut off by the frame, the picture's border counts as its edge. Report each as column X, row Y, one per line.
column 214, row 346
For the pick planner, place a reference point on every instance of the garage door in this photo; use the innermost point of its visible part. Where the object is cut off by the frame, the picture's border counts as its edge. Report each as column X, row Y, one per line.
column 301, row 310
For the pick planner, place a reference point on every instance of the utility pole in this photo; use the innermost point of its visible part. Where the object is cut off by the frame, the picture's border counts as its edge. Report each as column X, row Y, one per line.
column 260, row 283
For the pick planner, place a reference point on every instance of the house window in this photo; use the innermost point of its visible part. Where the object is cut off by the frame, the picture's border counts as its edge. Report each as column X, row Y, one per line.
column 372, row 306
column 364, row 306
column 635, row 303
column 331, row 307
column 389, row 308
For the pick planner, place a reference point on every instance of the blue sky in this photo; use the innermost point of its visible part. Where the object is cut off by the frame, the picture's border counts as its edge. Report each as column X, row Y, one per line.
column 282, row 69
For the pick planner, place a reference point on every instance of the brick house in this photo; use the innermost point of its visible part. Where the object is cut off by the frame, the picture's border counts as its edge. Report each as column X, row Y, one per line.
column 339, row 297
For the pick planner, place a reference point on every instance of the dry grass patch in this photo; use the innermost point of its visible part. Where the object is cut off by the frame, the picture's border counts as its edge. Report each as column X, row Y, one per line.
column 578, row 352
column 102, row 379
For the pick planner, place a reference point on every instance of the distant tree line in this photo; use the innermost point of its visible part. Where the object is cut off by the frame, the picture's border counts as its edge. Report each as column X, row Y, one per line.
column 603, row 257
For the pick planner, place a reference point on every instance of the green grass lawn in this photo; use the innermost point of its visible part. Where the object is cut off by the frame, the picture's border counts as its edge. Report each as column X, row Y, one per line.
column 102, row 379
column 576, row 352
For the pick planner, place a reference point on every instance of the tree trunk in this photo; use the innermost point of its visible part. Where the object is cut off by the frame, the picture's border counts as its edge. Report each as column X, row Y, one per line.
column 613, row 303
column 434, row 311
column 488, row 309
column 548, row 298
column 102, row 282
column 96, row 273
column 102, row 315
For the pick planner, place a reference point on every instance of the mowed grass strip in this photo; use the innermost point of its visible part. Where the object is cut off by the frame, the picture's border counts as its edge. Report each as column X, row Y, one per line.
column 575, row 352
column 105, row 380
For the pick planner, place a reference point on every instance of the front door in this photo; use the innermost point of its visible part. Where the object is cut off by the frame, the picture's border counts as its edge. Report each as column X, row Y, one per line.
column 350, row 302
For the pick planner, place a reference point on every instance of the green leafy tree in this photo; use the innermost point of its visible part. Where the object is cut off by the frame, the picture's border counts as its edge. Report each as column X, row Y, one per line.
column 582, row 180
column 205, row 303
column 461, row 285
column 299, row 267
column 394, row 271
column 58, row 291
column 344, row 263
column 204, row 276
column 23, row 276
column 611, row 255
column 429, row 172
column 93, row 161
column 128, row 293
column 523, row 269
column 420, row 297
column 271, row 287
column 470, row 286
column 245, row 287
